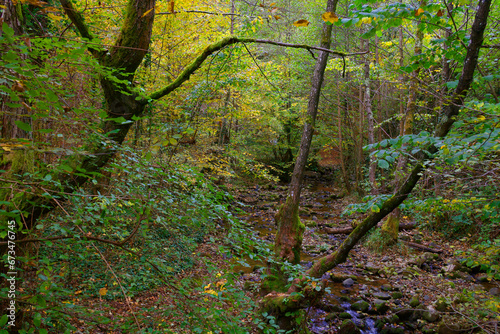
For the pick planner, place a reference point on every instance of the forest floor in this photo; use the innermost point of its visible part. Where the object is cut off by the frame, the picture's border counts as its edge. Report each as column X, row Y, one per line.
column 400, row 289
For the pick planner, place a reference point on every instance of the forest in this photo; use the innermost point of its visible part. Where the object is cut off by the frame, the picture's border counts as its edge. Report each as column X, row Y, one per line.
column 250, row 166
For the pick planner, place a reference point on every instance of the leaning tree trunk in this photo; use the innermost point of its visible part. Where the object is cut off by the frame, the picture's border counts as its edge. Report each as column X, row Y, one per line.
column 275, row 301
column 290, row 230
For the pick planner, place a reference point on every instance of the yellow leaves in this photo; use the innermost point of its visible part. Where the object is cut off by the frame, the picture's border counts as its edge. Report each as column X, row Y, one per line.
column 301, row 23
column 330, row 17
column 366, row 20
column 419, row 11
column 446, row 200
column 103, row 291
column 147, row 12
column 31, row 2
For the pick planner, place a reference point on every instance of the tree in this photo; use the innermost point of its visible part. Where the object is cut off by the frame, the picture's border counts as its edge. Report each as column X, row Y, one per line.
column 288, row 242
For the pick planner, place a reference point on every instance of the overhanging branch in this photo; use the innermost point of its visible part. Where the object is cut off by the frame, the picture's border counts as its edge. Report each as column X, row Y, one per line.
column 191, row 68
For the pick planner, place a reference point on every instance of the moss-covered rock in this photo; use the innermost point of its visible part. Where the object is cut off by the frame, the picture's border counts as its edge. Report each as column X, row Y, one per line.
column 361, row 306
column 348, row 327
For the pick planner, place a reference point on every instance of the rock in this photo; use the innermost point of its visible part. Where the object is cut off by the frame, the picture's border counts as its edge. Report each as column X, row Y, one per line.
column 433, row 245
column 449, row 328
column 397, row 295
column 331, row 316
column 380, row 306
column 494, row 292
column 310, row 223
column 382, row 295
column 360, row 305
column 386, row 259
column 345, row 315
column 394, row 319
column 348, row 282
column 403, row 314
column 431, row 315
column 348, row 327
column 331, row 308
column 482, row 278
column 441, row 305
column 426, row 258
column 372, row 268
column 414, row 302
column 386, row 287
column 338, row 277
column 428, row 330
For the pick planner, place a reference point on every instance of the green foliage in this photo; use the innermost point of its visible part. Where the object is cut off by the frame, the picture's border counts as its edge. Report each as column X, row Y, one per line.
column 483, row 257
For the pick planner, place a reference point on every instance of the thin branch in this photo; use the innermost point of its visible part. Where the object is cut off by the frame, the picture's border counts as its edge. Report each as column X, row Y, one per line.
column 191, row 68
column 201, row 12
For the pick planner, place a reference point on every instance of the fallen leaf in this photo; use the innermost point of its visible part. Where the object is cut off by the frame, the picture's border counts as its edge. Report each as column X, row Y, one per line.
column 301, row 23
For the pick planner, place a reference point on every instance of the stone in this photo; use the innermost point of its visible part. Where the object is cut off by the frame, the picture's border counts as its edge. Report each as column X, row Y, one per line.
column 394, row 319
column 482, row 278
column 338, row 277
column 431, row 315
column 310, row 223
column 386, row 287
column 397, row 295
column 441, row 305
column 380, row 306
column 382, row 295
column 360, row 305
column 348, row 327
column 447, row 328
column 414, row 302
column 372, row 268
column 345, row 315
column 348, row 282
column 494, row 292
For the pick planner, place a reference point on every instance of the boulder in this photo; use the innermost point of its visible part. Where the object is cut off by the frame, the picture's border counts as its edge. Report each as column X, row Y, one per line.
column 360, row 305
column 348, row 327
column 348, row 282
column 382, row 295
column 380, row 306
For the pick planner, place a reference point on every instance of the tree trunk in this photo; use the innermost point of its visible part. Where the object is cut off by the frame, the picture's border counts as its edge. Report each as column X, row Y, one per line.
column 290, row 230
column 369, row 114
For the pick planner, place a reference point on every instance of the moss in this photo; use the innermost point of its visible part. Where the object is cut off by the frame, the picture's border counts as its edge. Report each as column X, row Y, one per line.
column 391, row 228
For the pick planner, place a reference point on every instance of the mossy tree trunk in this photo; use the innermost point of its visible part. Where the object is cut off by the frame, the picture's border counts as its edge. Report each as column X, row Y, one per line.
column 328, row 262
column 290, row 230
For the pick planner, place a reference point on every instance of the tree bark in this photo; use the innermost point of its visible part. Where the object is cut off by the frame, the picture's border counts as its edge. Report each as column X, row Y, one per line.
column 290, row 230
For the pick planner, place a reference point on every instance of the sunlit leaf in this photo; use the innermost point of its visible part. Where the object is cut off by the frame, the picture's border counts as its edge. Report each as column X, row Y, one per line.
column 419, row 11
column 330, row 17
column 103, row 291
column 301, row 23
column 149, row 11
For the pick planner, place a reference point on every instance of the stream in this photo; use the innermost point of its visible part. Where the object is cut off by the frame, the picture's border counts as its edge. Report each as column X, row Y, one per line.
column 367, row 288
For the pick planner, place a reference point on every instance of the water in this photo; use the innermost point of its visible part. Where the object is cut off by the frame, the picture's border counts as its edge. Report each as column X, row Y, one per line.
column 367, row 324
